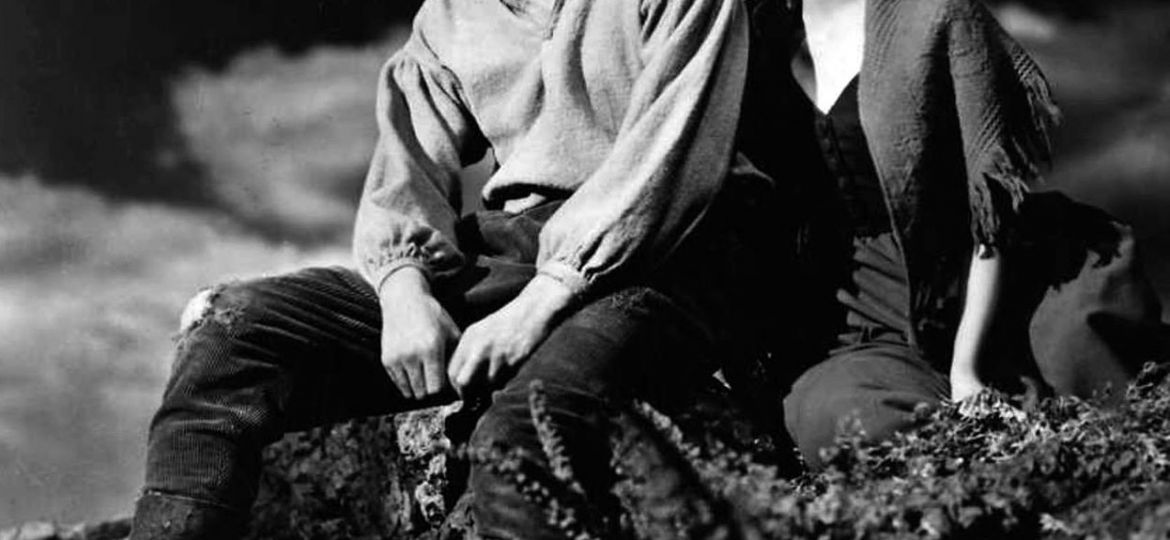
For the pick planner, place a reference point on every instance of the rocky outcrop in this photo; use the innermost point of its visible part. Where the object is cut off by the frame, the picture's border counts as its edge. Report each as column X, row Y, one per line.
column 116, row 529
column 385, row 477
column 993, row 467
column 402, row 476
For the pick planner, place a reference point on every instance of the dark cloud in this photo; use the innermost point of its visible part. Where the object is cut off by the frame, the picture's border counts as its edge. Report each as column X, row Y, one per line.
column 92, row 278
column 84, row 86
column 1111, row 76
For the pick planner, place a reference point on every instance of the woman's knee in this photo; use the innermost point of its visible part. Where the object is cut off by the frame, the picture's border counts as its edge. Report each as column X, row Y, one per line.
column 814, row 411
column 830, row 400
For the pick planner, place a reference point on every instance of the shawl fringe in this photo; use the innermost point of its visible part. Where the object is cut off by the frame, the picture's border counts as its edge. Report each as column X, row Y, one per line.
column 1012, row 164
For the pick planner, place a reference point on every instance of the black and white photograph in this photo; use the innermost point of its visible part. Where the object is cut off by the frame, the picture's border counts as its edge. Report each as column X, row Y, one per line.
column 585, row 269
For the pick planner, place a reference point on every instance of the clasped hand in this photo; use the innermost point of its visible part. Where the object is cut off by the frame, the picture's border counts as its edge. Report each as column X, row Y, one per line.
column 418, row 335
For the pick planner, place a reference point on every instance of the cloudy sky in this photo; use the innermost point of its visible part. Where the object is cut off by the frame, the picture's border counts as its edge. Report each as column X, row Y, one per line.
column 148, row 149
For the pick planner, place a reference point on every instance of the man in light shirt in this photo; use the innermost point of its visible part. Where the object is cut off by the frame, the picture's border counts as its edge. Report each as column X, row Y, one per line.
column 617, row 256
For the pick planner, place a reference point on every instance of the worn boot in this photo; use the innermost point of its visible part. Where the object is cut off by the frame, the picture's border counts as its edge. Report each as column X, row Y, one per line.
column 170, row 517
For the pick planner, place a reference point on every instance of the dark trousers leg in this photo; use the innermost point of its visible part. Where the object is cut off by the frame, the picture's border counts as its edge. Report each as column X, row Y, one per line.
column 636, row 342
column 655, row 341
column 257, row 359
column 878, row 385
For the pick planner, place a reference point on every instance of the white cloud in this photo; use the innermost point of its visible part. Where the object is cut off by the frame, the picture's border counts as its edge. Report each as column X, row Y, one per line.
column 1027, row 24
column 91, row 291
column 285, row 140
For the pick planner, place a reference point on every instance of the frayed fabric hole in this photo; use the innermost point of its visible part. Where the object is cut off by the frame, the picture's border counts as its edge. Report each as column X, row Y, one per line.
column 206, row 307
column 197, row 310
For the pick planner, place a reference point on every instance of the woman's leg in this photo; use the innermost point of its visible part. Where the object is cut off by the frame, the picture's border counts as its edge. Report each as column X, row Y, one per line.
column 877, row 384
column 256, row 359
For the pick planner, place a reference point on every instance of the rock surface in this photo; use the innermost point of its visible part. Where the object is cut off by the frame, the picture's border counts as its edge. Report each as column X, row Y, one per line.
column 994, row 467
column 401, row 476
column 116, row 529
column 384, row 477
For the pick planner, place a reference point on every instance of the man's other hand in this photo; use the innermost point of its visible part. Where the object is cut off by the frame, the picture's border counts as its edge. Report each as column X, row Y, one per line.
column 504, row 339
column 417, row 334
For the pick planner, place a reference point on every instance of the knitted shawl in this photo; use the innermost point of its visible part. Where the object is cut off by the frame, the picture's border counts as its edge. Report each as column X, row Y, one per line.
column 932, row 63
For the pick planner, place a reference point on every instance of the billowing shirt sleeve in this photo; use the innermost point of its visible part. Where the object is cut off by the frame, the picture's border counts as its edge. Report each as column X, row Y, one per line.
column 410, row 201
column 670, row 154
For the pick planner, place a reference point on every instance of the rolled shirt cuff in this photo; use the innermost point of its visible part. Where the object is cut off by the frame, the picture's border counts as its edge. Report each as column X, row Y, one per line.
column 395, row 265
column 568, row 276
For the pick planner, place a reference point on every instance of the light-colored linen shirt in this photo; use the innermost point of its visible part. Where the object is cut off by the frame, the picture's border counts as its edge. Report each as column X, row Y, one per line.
column 627, row 109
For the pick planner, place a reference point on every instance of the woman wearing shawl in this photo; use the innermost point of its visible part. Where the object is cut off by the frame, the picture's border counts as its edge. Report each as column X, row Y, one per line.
column 929, row 123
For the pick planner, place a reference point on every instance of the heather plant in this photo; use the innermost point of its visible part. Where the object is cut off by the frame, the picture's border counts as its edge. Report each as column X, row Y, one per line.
column 554, row 488
column 996, row 466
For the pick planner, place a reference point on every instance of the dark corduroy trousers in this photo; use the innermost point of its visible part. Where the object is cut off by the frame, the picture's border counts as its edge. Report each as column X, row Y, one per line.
column 267, row 356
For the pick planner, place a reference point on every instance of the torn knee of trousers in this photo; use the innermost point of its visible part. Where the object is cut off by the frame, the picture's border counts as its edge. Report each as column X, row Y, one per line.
column 208, row 306
column 196, row 310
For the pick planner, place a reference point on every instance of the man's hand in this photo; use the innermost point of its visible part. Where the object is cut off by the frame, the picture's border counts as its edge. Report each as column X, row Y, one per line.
column 505, row 338
column 417, row 334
